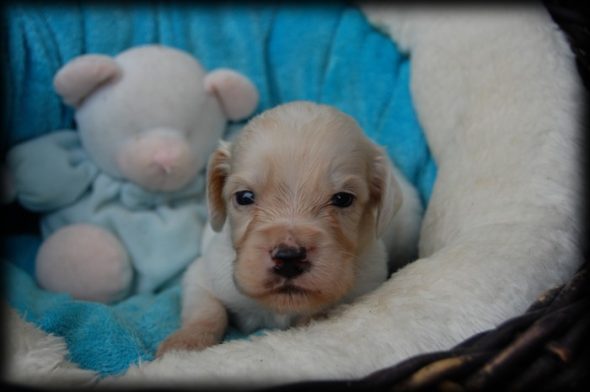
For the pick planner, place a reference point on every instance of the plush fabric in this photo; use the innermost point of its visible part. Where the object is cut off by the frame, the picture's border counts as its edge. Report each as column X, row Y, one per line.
column 36, row 357
column 342, row 61
column 346, row 62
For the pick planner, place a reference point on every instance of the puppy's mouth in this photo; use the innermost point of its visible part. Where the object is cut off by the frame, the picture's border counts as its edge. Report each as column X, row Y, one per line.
column 290, row 289
column 288, row 297
column 281, row 294
column 292, row 279
column 284, row 287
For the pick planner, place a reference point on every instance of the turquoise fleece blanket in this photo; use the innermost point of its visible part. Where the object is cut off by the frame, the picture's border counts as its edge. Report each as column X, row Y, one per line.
column 325, row 53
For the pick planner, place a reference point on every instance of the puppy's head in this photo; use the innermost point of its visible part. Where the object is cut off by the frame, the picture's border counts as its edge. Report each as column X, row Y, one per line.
column 304, row 192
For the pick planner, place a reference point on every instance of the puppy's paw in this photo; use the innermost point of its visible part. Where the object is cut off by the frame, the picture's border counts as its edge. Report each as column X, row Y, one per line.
column 188, row 340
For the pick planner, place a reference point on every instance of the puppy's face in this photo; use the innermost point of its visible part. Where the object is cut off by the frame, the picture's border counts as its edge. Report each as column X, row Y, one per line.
column 304, row 192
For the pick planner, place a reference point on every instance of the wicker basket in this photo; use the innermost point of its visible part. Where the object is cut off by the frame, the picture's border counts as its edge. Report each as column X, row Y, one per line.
column 545, row 348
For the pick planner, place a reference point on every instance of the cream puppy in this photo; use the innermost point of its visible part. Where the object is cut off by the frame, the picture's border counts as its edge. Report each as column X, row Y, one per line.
column 305, row 210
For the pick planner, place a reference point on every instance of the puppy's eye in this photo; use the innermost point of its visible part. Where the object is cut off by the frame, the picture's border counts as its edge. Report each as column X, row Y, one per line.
column 342, row 199
column 245, row 198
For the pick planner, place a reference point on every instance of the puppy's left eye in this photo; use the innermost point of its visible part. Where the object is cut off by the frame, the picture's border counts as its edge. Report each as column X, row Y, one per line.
column 342, row 199
column 245, row 198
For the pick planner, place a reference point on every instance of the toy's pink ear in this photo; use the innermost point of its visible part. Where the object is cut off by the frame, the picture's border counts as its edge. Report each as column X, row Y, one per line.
column 81, row 76
column 236, row 94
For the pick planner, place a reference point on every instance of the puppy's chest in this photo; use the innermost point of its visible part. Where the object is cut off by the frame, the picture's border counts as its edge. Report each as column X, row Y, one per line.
column 249, row 316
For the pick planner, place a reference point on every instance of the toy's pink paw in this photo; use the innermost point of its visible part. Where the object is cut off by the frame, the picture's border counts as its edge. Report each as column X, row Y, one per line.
column 86, row 262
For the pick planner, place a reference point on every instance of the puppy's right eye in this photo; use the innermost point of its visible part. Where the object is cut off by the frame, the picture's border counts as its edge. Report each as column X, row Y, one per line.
column 342, row 199
column 245, row 198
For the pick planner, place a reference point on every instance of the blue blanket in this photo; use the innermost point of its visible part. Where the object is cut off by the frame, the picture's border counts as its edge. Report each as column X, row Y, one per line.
column 324, row 53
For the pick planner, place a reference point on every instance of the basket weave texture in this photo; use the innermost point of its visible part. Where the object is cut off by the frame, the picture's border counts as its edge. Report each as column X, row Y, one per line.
column 544, row 349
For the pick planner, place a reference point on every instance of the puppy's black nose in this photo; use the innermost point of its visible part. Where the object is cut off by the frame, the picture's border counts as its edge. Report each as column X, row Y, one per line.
column 289, row 261
column 289, row 253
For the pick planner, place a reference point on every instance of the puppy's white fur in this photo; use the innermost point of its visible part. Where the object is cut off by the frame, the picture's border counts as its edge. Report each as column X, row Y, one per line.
column 294, row 158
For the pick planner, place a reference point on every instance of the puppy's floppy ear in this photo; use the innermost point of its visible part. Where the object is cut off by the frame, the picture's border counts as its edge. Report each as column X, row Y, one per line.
column 217, row 172
column 385, row 191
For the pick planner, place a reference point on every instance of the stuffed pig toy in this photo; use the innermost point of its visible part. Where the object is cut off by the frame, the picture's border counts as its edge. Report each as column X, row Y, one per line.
column 123, row 197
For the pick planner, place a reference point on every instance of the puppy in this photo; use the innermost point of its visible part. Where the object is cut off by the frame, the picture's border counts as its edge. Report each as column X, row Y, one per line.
column 305, row 209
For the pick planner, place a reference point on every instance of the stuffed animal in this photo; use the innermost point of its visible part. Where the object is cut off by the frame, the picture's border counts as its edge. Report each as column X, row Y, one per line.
column 123, row 197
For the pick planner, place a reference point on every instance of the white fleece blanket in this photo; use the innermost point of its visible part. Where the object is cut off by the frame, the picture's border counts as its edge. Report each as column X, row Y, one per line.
column 498, row 96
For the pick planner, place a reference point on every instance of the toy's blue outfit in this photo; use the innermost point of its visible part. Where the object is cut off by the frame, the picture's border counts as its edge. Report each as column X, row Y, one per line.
column 160, row 231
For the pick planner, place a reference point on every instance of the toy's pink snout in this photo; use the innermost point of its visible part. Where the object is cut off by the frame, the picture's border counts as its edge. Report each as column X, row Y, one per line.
column 159, row 161
column 168, row 159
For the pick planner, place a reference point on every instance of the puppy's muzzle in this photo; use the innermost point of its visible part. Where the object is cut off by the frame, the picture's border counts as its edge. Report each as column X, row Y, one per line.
column 290, row 261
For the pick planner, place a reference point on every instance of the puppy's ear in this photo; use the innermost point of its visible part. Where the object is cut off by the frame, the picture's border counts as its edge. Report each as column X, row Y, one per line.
column 217, row 172
column 385, row 191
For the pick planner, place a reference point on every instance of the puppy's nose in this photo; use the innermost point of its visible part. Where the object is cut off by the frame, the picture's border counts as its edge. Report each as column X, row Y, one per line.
column 290, row 261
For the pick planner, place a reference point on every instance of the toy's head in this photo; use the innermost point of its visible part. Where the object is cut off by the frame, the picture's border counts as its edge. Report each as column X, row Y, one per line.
column 152, row 114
